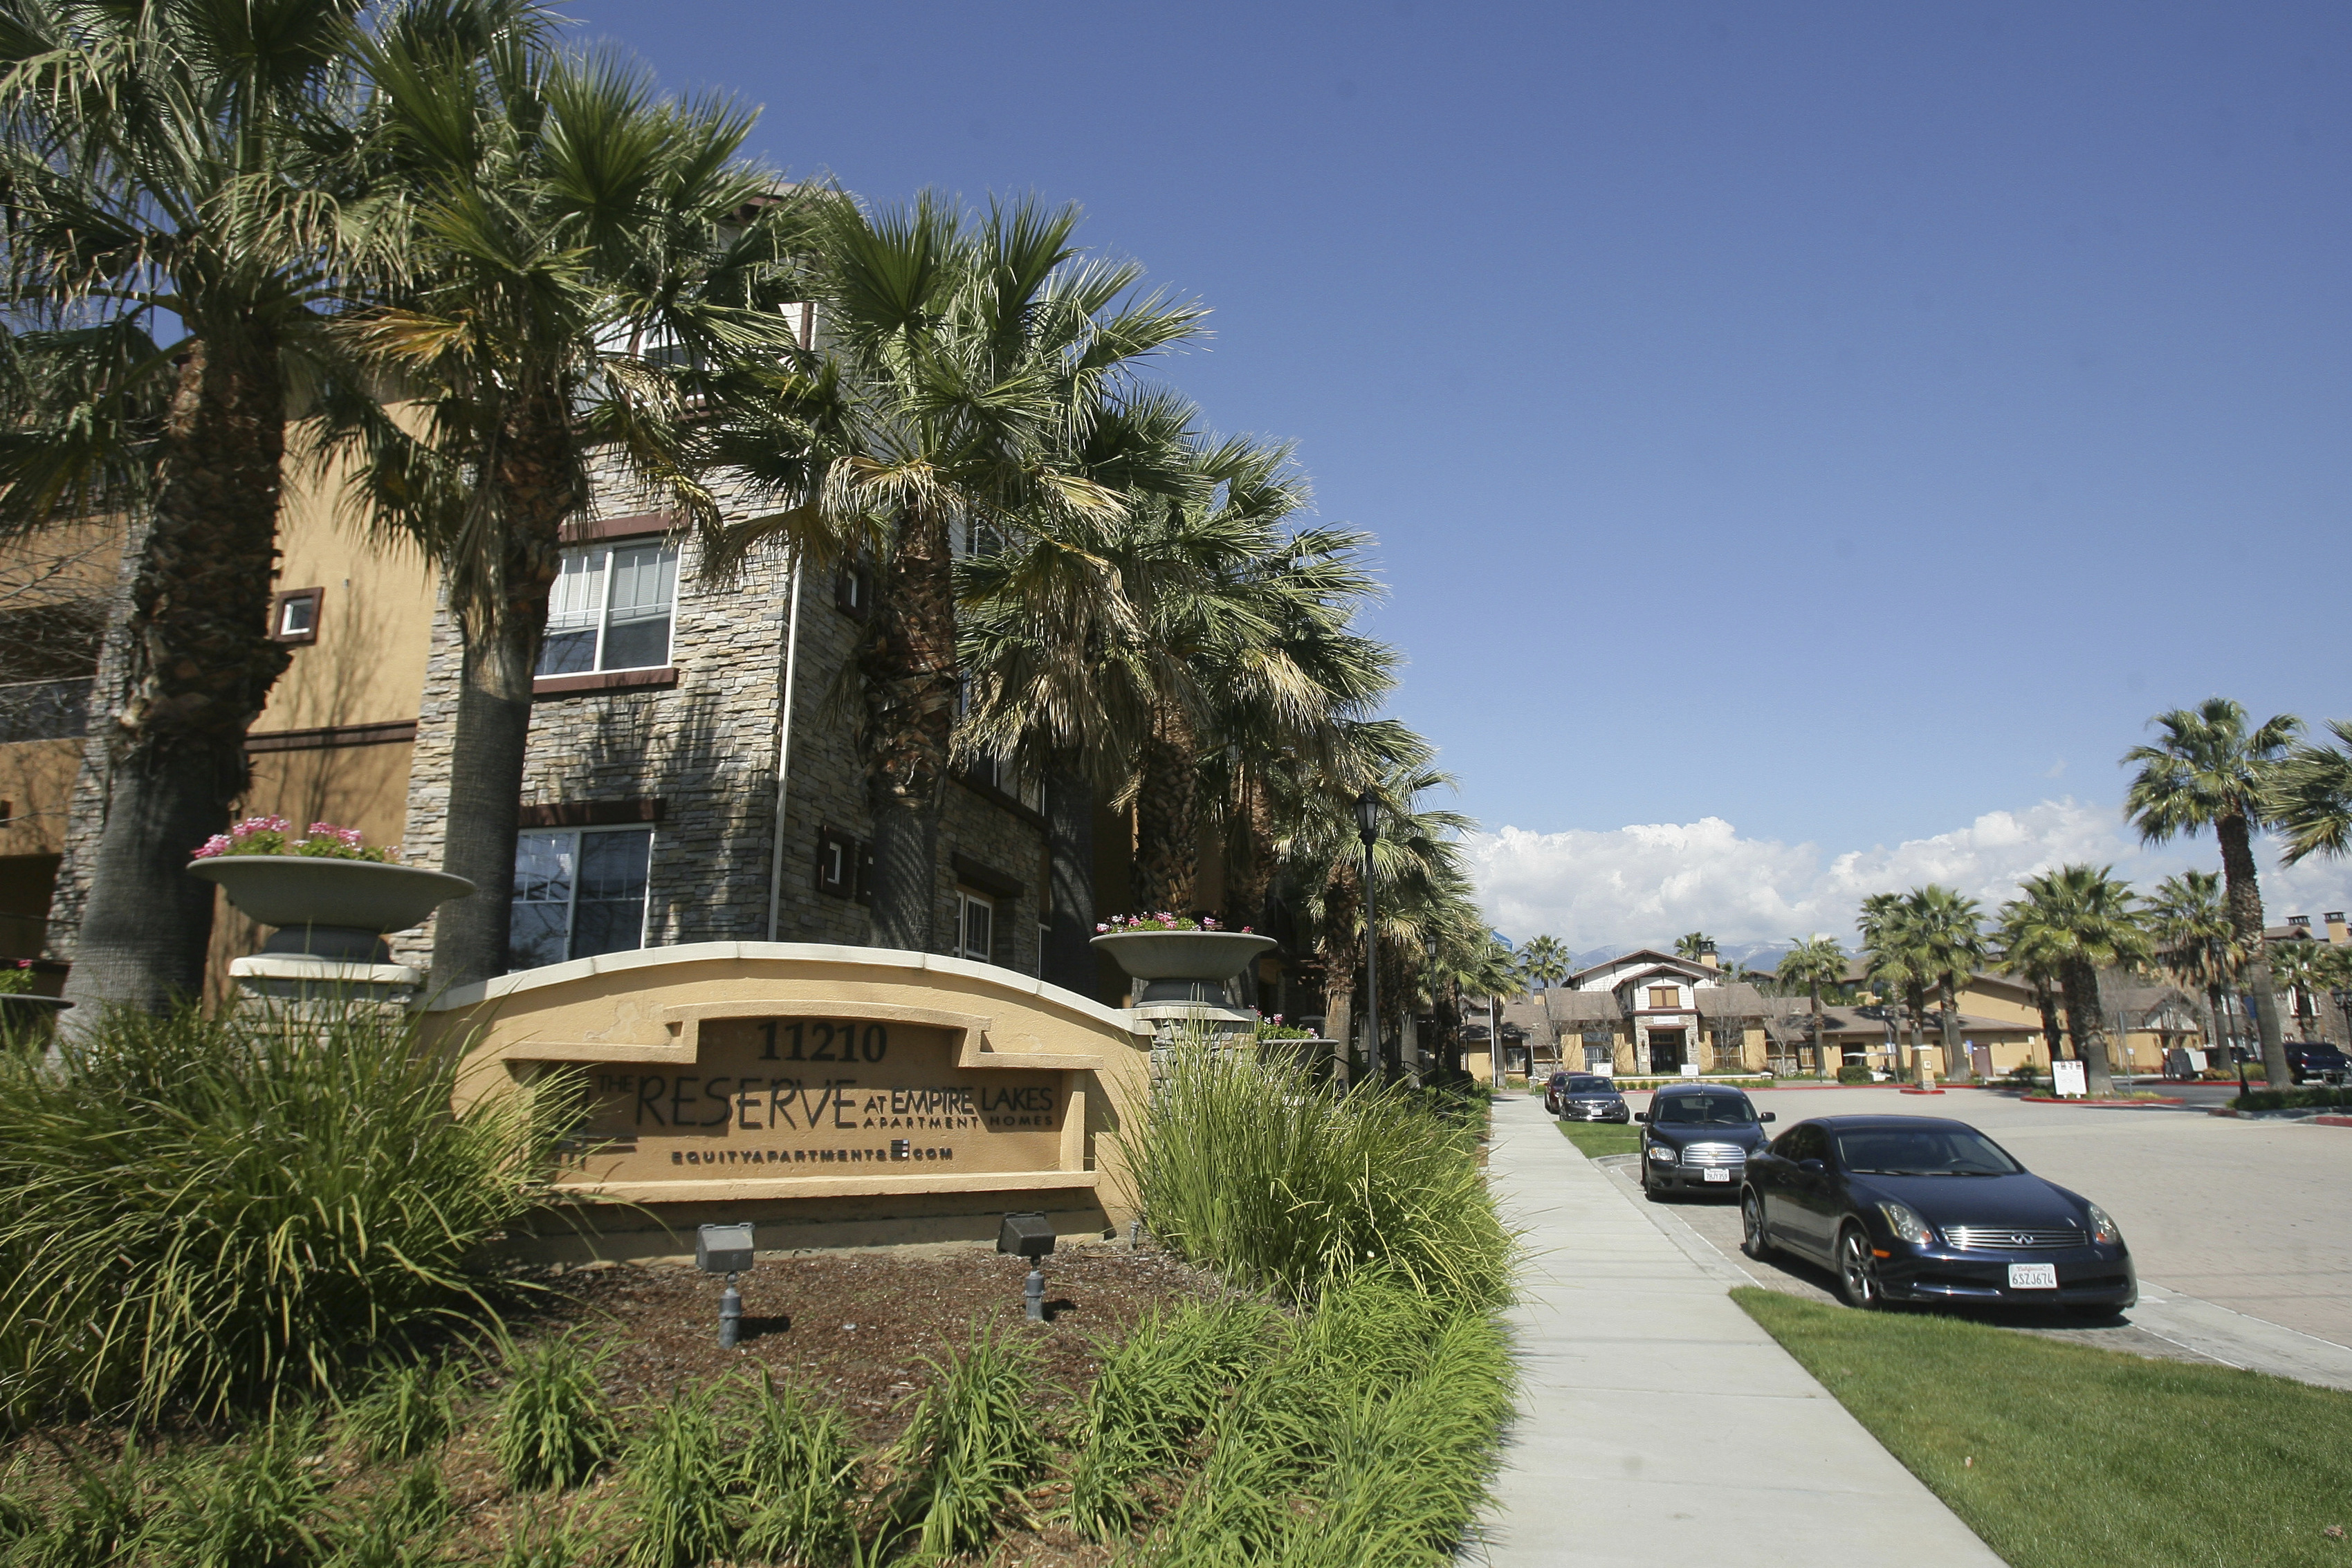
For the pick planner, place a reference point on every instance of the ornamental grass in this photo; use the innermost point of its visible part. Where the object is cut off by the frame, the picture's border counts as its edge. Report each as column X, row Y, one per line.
column 1251, row 1168
column 200, row 1216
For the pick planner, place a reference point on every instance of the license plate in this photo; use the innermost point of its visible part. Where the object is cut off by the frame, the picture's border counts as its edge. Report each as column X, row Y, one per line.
column 2033, row 1275
column 1725, row 1176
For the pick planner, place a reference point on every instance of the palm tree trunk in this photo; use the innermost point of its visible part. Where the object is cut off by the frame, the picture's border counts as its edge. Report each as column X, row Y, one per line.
column 1070, row 962
column 2246, row 916
column 489, row 743
column 2088, row 1028
column 1956, row 1066
column 1168, row 813
column 908, row 665
column 490, row 737
column 1251, row 873
column 200, row 665
column 2048, row 1005
column 1821, row 1044
column 2218, row 1023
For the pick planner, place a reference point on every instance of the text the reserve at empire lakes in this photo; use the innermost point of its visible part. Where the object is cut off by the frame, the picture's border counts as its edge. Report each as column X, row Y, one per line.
column 797, row 1091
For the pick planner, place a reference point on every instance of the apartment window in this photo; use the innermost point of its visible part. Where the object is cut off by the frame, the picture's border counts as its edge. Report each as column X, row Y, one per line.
column 976, row 925
column 578, row 893
column 294, row 618
column 1664, row 996
column 610, row 609
column 845, row 866
column 853, row 591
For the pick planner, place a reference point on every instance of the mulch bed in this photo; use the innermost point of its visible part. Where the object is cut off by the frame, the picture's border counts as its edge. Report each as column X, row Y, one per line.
column 857, row 1327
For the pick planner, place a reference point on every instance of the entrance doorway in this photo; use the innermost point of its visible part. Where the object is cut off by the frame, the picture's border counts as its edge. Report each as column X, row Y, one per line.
column 1666, row 1047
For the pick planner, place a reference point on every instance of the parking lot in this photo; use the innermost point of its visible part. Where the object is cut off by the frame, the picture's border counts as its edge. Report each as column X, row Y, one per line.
column 2254, row 1215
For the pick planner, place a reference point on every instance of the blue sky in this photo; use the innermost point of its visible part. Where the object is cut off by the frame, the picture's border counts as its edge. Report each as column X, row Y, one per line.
column 1843, row 424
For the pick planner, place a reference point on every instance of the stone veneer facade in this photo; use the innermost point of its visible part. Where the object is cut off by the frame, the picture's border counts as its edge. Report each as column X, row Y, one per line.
column 704, row 753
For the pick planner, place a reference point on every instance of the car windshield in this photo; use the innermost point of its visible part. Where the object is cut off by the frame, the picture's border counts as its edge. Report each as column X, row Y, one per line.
column 1590, row 1087
column 1922, row 1151
column 1713, row 1110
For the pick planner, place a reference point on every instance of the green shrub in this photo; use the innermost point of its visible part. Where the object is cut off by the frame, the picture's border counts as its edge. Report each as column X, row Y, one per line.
column 1367, row 1440
column 246, row 1505
column 973, row 1441
column 2324, row 1096
column 1855, row 1072
column 551, row 1536
column 227, row 1212
column 678, row 1484
column 98, row 1524
column 1154, row 1394
column 1254, row 1169
column 402, row 1526
column 553, row 1427
column 409, row 1406
column 798, row 1476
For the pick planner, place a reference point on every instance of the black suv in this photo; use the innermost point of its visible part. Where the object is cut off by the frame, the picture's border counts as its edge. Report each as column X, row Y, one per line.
column 1698, row 1136
column 2308, row 1060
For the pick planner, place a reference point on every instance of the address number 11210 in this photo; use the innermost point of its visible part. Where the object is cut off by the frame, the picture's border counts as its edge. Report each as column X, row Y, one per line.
column 804, row 1039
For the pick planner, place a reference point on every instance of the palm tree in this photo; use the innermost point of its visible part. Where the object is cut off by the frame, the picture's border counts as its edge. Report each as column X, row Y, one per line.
column 171, row 166
column 2196, row 943
column 964, row 362
column 2078, row 920
column 2208, row 769
column 1946, row 932
column 583, row 259
column 2299, row 964
column 2310, row 797
column 2027, row 952
column 1815, row 962
column 1543, row 962
column 1694, row 945
column 1898, row 968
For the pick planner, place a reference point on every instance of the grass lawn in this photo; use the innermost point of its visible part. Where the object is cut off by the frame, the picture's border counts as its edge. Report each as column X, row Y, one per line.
column 2083, row 1458
column 1594, row 1139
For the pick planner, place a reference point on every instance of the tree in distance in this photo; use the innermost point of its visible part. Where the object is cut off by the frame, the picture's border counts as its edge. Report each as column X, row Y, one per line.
column 2208, row 770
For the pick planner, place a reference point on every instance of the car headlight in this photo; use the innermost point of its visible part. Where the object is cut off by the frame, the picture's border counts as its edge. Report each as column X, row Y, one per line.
column 1662, row 1155
column 1905, row 1221
column 2103, row 1224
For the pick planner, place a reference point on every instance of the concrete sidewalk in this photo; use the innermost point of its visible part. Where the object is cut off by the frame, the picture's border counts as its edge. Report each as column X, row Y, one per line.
column 1657, row 1423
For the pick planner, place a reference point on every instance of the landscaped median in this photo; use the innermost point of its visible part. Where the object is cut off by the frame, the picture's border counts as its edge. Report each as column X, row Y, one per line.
column 2063, row 1457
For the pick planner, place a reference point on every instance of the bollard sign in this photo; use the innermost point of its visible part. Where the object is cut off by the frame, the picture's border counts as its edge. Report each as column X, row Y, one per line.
column 815, row 1097
column 2070, row 1079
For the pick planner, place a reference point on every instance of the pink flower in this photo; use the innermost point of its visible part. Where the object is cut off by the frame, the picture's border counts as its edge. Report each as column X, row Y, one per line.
column 1101, row 927
column 218, row 844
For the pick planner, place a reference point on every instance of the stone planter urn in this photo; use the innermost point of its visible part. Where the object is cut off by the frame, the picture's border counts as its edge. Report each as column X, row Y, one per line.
column 1183, row 968
column 332, row 915
column 24, row 1016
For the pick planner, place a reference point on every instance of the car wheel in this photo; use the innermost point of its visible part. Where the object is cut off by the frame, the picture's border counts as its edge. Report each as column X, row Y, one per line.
column 1752, row 1240
column 1650, row 1187
column 1857, row 1270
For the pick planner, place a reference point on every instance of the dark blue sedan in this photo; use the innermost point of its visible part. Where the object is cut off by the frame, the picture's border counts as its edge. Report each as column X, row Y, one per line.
column 1918, row 1208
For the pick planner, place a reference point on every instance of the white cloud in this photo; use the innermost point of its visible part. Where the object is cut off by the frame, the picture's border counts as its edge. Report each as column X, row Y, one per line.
column 1648, row 882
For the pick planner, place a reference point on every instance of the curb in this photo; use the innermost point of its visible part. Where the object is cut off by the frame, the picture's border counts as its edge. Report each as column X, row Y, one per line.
column 1909, row 1091
column 2104, row 1104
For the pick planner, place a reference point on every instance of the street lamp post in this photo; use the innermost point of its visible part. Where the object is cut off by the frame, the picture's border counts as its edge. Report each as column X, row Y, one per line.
column 1368, row 828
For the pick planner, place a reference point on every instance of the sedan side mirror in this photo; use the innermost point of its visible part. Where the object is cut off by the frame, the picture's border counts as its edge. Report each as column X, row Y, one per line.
column 1765, row 1116
column 1812, row 1167
column 1640, row 1115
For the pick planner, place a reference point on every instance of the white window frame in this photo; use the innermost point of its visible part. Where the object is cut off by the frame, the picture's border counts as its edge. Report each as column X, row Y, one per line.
column 604, row 611
column 966, row 900
column 580, row 854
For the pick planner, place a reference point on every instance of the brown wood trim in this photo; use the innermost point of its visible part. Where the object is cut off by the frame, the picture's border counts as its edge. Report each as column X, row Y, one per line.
column 603, row 680
column 333, row 737
column 996, row 797
column 591, row 813
column 984, row 878
column 318, row 598
column 593, row 530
